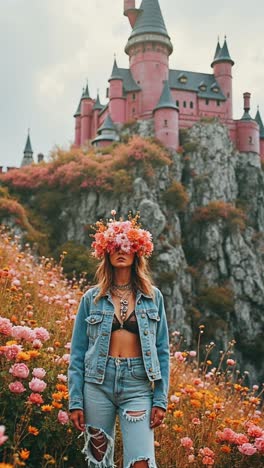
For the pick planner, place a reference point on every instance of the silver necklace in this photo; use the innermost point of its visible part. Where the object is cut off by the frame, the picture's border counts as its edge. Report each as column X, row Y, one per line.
column 123, row 302
column 121, row 286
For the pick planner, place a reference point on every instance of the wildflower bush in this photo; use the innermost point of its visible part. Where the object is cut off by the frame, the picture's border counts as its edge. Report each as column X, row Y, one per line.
column 176, row 196
column 213, row 418
column 233, row 217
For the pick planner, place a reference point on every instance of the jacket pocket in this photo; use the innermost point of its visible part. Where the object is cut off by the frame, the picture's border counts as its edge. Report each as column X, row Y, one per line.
column 94, row 323
column 153, row 320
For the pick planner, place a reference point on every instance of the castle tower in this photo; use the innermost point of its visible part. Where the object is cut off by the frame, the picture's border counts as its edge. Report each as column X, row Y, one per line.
column 86, row 115
column 28, row 153
column 166, row 119
column 117, row 104
column 222, row 66
column 77, row 116
column 248, row 131
column 261, row 133
column 107, row 133
column 149, row 47
column 131, row 11
column 96, row 111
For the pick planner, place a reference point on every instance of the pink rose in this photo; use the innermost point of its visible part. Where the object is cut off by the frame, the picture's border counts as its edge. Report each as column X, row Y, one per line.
column 259, row 444
column 35, row 398
column 186, row 442
column 37, row 344
column 3, row 437
column 227, row 435
column 254, row 431
column 11, row 351
column 174, row 399
column 19, row 370
column 208, row 461
column 192, row 353
column 16, row 387
column 241, row 439
column 206, row 452
column 247, row 449
column 196, row 421
column 63, row 417
column 179, row 356
column 5, row 326
column 66, row 358
column 41, row 334
column 230, row 362
column 20, row 332
column 37, row 385
column 39, row 372
column 191, row 458
column 62, row 378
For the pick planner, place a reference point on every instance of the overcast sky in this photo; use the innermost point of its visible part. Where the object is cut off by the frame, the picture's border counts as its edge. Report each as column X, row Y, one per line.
column 50, row 47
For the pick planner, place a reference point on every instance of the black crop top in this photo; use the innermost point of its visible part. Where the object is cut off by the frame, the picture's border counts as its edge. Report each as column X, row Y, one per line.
column 130, row 324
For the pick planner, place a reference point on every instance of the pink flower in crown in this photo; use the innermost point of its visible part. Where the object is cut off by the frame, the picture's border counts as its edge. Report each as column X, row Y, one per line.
column 41, row 334
column 39, row 372
column 11, row 351
column 3, row 437
column 16, row 387
column 19, row 370
column 5, row 326
column 20, row 332
column 247, row 449
column 63, row 417
column 37, row 385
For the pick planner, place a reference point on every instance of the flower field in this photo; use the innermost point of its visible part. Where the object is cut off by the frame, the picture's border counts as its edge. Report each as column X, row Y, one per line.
column 213, row 419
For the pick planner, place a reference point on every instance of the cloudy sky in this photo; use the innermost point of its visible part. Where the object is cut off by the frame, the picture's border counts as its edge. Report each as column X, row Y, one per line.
column 50, row 47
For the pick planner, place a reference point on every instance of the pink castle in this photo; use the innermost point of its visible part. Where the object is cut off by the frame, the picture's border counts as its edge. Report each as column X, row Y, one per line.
column 173, row 99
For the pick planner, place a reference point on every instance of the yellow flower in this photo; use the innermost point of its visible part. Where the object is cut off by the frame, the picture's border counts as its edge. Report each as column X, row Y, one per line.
column 178, row 414
column 33, row 430
column 24, row 454
column 11, row 342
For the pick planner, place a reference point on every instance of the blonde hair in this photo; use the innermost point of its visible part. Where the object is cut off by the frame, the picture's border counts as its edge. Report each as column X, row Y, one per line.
column 140, row 276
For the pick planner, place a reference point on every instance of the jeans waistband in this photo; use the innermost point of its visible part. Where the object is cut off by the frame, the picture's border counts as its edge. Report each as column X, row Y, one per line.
column 122, row 361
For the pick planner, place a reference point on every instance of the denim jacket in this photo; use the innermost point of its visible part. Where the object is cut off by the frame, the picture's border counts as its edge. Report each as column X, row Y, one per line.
column 91, row 339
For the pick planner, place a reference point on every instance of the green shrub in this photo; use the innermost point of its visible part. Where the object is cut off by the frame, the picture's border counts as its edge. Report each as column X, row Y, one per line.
column 176, row 196
column 219, row 299
column 76, row 261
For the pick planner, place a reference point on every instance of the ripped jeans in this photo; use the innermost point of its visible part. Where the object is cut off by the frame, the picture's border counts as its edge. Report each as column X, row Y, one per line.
column 126, row 392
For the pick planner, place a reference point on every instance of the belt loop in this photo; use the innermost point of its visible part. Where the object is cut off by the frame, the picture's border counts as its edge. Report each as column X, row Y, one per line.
column 129, row 363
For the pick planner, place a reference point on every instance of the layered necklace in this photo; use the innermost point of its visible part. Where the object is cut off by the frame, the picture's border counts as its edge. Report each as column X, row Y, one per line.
column 127, row 291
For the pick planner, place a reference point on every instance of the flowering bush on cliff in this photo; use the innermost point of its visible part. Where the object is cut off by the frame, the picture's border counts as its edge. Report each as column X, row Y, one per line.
column 213, row 419
column 218, row 209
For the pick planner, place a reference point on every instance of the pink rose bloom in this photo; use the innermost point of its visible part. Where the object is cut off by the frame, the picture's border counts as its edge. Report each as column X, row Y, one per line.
column 179, row 356
column 3, row 437
column 35, row 398
column 186, row 442
column 207, row 461
column 192, row 353
column 5, row 326
column 247, row 449
column 16, row 387
column 62, row 378
column 206, row 452
column 19, row 370
column 37, row 344
column 227, row 435
column 41, row 333
column 241, row 439
column 37, row 385
column 11, row 351
column 259, row 444
column 66, row 358
column 254, row 431
column 230, row 362
column 63, row 417
column 23, row 333
column 191, row 458
column 174, row 399
column 39, row 372
column 196, row 421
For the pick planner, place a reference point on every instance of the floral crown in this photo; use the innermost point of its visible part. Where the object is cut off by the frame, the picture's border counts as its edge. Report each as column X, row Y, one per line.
column 112, row 235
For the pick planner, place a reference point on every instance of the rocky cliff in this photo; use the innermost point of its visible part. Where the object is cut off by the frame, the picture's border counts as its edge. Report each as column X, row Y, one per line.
column 206, row 213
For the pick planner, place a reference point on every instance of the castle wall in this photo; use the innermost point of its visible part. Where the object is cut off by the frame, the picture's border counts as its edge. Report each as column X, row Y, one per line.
column 248, row 136
column 167, row 127
column 77, row 140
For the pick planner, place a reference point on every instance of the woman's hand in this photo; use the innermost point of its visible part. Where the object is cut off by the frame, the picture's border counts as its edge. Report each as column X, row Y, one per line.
column 157, row 416
column 77, row 417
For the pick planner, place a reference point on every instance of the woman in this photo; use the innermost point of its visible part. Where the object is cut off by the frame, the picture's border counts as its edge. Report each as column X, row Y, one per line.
column 120, row 350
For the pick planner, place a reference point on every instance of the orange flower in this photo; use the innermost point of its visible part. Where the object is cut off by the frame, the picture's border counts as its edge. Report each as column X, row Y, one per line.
column 11, row 342
column 24, row 454
column 33, row 430
column 57, row 396
column 23, row 356
column 6, row 465
column 57, row 405
column 178, row 414
column 225, row 449
column 196, row 403
column 33, row 353
column 46, row 408
column 212, row 416
column 61, row 388
column 177, row 428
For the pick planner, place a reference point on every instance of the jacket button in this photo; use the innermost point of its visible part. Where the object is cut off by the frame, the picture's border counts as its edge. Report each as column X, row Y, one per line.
column 154, row 376
column 139, row 302
column 150, row 369
column 146, row 332
column 92, row 319
column 148, row 353
column 143, row 315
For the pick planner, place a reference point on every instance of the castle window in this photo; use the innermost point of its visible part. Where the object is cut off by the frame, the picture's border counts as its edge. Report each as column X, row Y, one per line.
column 228, row 95
column 207, row 102
column 107, row 92
column 191, row 105
column 215, row 89
column 184, row 104
column 133, row 96
column 177, row 103
column 203, row 86
column 250, row 140
column 218, row 103
column 165, row 123
column 182, row 78
column 133, row 110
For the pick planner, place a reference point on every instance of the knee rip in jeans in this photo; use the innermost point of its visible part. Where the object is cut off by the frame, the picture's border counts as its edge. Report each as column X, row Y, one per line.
column 98, row 447
column 135, row 463
column 134, row 416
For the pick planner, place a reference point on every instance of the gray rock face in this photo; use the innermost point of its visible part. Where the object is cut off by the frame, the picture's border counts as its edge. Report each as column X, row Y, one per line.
column 190, row 258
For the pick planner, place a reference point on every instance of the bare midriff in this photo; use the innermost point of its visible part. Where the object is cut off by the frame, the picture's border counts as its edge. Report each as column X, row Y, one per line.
column 122, row 342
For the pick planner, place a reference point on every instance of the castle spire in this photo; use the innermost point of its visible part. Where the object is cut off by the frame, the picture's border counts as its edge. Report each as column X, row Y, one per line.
column 97, row 104
column 222, row 54
column 28, row 153
column 115, row 75
column 217, row 50
column 261, row 126
column 166, row 100
column 86, row 94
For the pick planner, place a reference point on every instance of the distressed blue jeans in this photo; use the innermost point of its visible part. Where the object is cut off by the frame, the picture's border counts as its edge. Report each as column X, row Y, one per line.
column 126, row 392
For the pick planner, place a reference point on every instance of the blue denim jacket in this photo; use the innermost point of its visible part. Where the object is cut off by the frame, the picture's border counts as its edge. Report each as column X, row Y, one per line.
column 91, row 338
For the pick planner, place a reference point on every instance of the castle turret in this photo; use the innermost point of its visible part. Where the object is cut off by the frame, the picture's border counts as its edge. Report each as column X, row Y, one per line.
column 131, row 11
column 28, row 153
column 96, row 111
column 86, row 115
column 77, row 116
column 149, row 47
column 222, row 66
column 166, row 119
column 117, row 104
column 107, row 133
column 248, row 131
column 261, row 133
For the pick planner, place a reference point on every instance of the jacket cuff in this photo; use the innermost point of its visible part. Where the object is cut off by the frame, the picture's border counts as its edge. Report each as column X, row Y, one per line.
column 75, row 404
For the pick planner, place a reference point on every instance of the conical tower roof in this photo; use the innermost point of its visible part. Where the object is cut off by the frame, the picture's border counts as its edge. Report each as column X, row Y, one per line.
column 78, row 111
column 261, row 126
column 150, row 21
column 97, row 104
column 222, row 55
column 217, row 50
column 115, row 75
column 108, row 124
column 166, row 100
column 86, row 94
column 28, row 147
